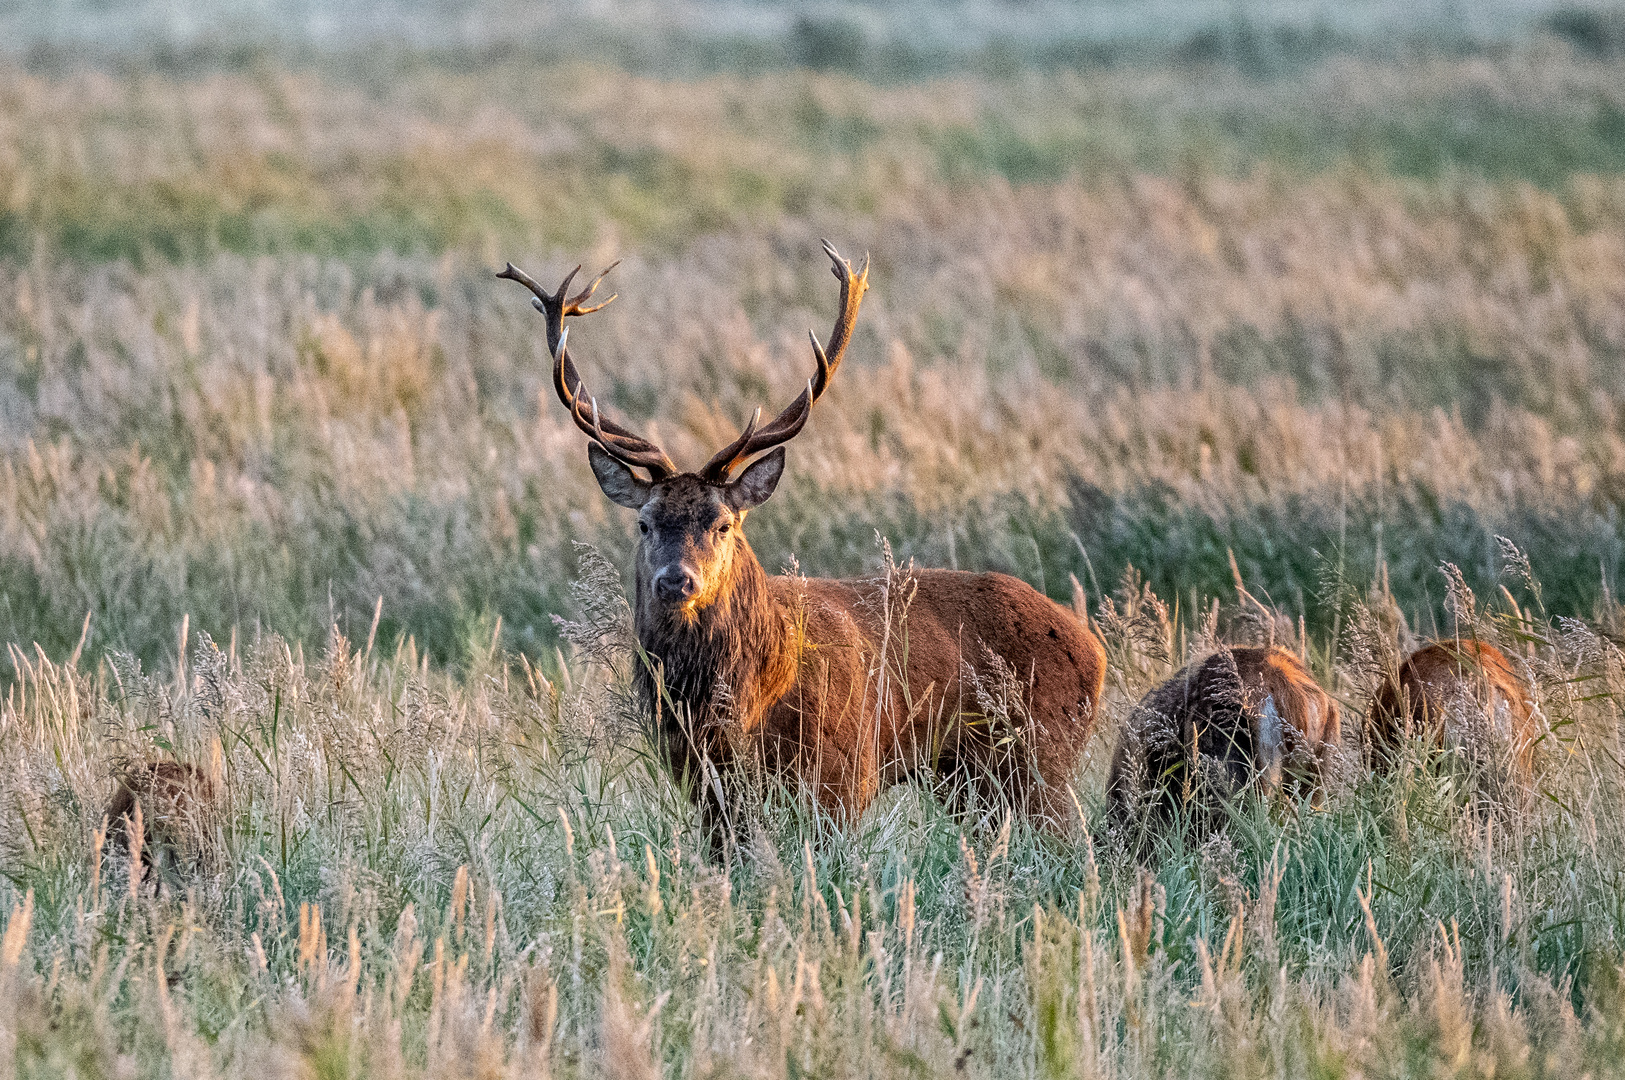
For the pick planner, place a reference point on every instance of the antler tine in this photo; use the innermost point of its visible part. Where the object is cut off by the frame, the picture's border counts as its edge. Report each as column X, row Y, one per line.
column 574, row 306
column 618, row 441
column 513, row 273
column 735, row 448
column 788, row 424
column 824, row 370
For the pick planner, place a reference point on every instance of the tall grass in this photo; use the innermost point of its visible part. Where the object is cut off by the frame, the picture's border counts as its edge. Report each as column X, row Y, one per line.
column 410, row 874
column 1322, row 299
column 352, row 160
column 1051, row 381
column 1139, row 297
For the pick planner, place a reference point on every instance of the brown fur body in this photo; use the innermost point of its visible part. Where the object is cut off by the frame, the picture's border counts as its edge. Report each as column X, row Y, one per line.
column 1459, row 694
column 174, row 799
column 845, row 689
column 1242, row 716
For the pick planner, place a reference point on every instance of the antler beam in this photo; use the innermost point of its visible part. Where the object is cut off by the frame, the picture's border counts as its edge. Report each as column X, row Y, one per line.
column 619, row 442
column 788, row 424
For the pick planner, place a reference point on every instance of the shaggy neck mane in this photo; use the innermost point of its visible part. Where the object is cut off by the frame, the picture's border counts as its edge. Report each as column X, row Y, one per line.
column 731, row 661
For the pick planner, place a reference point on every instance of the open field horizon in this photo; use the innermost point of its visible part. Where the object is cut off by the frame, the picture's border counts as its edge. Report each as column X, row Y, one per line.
column 1328, row 298
column 257, row 309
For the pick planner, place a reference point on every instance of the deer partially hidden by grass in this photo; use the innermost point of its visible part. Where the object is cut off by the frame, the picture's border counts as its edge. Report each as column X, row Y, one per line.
column 161, row 814
column 1240, row 719
column 840, row 686
column 1461, row 695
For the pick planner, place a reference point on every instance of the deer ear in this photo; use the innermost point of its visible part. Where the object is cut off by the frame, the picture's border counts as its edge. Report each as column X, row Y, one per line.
column 757, row 482
column 620, row 483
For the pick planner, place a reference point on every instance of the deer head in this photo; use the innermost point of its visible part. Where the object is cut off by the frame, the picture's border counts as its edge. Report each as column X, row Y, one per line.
column 691, row 543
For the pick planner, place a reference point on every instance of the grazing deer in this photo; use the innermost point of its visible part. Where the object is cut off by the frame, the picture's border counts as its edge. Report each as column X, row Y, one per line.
column 1239, row 717
column 1462, row 694
column 843, row 686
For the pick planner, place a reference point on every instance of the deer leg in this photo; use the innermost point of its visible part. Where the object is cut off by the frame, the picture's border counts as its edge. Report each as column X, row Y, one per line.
column 703, row 773
column 1030, row 774
column 844, row 780
column 951, row 786
column 716, row 825
column 1042, row 799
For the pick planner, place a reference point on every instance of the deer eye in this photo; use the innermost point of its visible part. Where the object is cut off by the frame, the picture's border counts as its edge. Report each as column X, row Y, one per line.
column 722, row 530
column 643, row 527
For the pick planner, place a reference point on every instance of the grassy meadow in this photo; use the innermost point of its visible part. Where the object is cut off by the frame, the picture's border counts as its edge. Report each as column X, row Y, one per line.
column 1330, row 300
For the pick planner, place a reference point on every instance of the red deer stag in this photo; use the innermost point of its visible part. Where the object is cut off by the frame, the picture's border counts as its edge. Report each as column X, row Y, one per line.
column 1465, row 695
column 1240, row 717
column 821, row 680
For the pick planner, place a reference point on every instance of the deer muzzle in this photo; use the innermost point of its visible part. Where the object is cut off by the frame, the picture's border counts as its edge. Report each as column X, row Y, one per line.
column 675, row 583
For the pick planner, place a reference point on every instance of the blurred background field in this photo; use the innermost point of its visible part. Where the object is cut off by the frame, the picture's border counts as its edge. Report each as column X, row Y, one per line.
column 1334, row 290
column 1339, row 285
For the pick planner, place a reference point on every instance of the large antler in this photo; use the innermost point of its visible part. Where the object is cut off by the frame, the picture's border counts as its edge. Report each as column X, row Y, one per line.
column 619, row 442
column 789, row 423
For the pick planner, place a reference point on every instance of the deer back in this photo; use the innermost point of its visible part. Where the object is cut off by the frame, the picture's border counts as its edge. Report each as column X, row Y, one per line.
column 1237, row 718
column 978, row 677
column 175, row 800
column 1460, row 694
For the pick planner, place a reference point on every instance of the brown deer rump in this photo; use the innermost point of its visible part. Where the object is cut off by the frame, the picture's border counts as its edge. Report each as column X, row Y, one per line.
column 174, row 798
column 976, row 677
column 1458, row 695
column 1240, row 717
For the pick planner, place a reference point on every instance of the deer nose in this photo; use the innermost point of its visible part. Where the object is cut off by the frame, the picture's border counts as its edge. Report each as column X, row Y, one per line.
column 674, row 584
